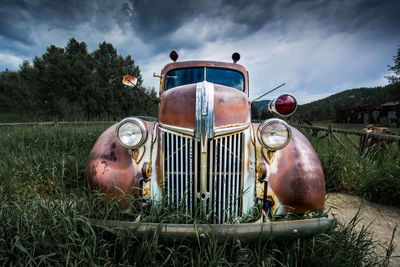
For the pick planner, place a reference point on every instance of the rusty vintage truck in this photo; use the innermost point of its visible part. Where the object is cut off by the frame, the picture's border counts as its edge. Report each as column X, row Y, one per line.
column 204, row 153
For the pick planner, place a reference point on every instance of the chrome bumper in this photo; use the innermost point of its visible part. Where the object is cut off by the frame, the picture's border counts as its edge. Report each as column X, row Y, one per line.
column 244, row 232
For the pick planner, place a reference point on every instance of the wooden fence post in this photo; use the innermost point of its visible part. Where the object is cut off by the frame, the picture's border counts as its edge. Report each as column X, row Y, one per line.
column 363, row 142
column 330, row 134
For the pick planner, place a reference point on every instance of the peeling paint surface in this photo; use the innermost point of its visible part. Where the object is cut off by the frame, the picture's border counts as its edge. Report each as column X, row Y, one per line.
column 110, row 167
column 297, row 177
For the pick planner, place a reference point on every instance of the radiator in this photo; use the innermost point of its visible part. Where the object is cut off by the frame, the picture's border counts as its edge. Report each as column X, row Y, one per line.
column 222, row 196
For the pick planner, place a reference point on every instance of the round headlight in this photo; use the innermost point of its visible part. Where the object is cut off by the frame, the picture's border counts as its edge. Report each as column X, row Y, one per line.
column 131, row 133
column 274, row 134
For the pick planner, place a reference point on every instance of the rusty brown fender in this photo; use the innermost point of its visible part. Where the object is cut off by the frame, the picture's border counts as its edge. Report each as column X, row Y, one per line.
column 297, row 177
column 110, row 167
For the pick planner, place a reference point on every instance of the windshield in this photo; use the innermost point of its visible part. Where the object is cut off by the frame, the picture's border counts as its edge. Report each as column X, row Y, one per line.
column 225, row 77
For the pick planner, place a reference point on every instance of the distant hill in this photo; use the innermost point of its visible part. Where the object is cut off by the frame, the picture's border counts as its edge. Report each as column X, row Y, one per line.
column 325, row 109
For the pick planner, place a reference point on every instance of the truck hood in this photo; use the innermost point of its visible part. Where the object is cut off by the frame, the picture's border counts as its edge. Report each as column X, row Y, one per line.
column 178, row 106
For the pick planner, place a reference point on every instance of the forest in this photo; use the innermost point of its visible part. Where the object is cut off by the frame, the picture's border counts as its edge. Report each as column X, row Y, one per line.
column 72, row 83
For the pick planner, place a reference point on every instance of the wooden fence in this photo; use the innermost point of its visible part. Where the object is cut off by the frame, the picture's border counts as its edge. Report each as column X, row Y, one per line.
column 55, row 122
column 365, row 139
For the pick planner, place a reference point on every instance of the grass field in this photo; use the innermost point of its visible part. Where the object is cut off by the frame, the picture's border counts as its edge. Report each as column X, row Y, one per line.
column 44, row 212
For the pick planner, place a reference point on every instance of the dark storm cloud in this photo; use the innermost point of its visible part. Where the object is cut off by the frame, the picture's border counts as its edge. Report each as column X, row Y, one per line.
column 155, row 21
column 20, row 19
column 12, row 21
column 158, row 21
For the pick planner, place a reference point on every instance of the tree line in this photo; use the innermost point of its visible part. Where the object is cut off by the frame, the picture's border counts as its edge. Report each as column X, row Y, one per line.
column 71, row 83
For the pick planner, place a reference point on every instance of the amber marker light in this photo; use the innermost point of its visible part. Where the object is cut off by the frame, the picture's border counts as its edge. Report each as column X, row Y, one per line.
column 146, row 170
column 262, row 171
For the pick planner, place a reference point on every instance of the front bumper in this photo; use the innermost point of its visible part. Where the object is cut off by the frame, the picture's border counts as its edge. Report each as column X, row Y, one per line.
column 245, row 232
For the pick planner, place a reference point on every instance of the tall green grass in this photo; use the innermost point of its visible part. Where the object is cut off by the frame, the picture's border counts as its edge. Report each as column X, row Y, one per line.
column 57, row 232
column 52, row 157
column 44, row 217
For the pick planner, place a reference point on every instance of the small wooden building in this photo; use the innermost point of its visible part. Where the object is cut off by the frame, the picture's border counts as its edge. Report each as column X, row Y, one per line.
column 386, row 114
column 390, row 114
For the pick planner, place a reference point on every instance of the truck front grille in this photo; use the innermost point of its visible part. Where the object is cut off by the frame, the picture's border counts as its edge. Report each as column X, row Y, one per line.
column 222, row 197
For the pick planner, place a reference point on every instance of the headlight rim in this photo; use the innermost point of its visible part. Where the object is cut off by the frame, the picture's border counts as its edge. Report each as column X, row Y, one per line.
column 141, row 125
column 268, row 122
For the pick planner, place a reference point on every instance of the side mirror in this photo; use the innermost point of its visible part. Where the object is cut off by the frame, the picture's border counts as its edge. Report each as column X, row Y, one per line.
column 132, row 81
column 129, row 81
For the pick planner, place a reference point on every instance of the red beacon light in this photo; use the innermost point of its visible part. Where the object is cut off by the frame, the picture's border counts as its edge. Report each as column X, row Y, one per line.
column 283, row 105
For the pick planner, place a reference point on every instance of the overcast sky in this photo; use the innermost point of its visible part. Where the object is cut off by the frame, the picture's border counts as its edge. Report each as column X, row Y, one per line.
column 317, row 47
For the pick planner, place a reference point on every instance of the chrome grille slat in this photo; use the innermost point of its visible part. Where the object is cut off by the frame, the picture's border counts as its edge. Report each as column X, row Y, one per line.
column 176, row 191
column 210, row 176
column 168, row 170
column 224, row 186
column 224, row 178
column 181, row 182
column 238, row 187
column 195, row 174
column 186, row 176
column 229, row 176
column 191, row 175
column 219, row 208
column 215, row 182
column 234, row 163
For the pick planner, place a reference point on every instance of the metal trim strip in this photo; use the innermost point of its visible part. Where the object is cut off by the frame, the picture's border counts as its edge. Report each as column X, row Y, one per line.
column 176, row 129
column 229, row 130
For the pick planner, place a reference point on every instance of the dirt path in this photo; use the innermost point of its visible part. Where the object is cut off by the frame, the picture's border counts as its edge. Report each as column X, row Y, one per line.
column 382, row 219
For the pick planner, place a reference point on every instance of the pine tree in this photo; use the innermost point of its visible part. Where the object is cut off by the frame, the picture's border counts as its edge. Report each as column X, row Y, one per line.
column 395, row 68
